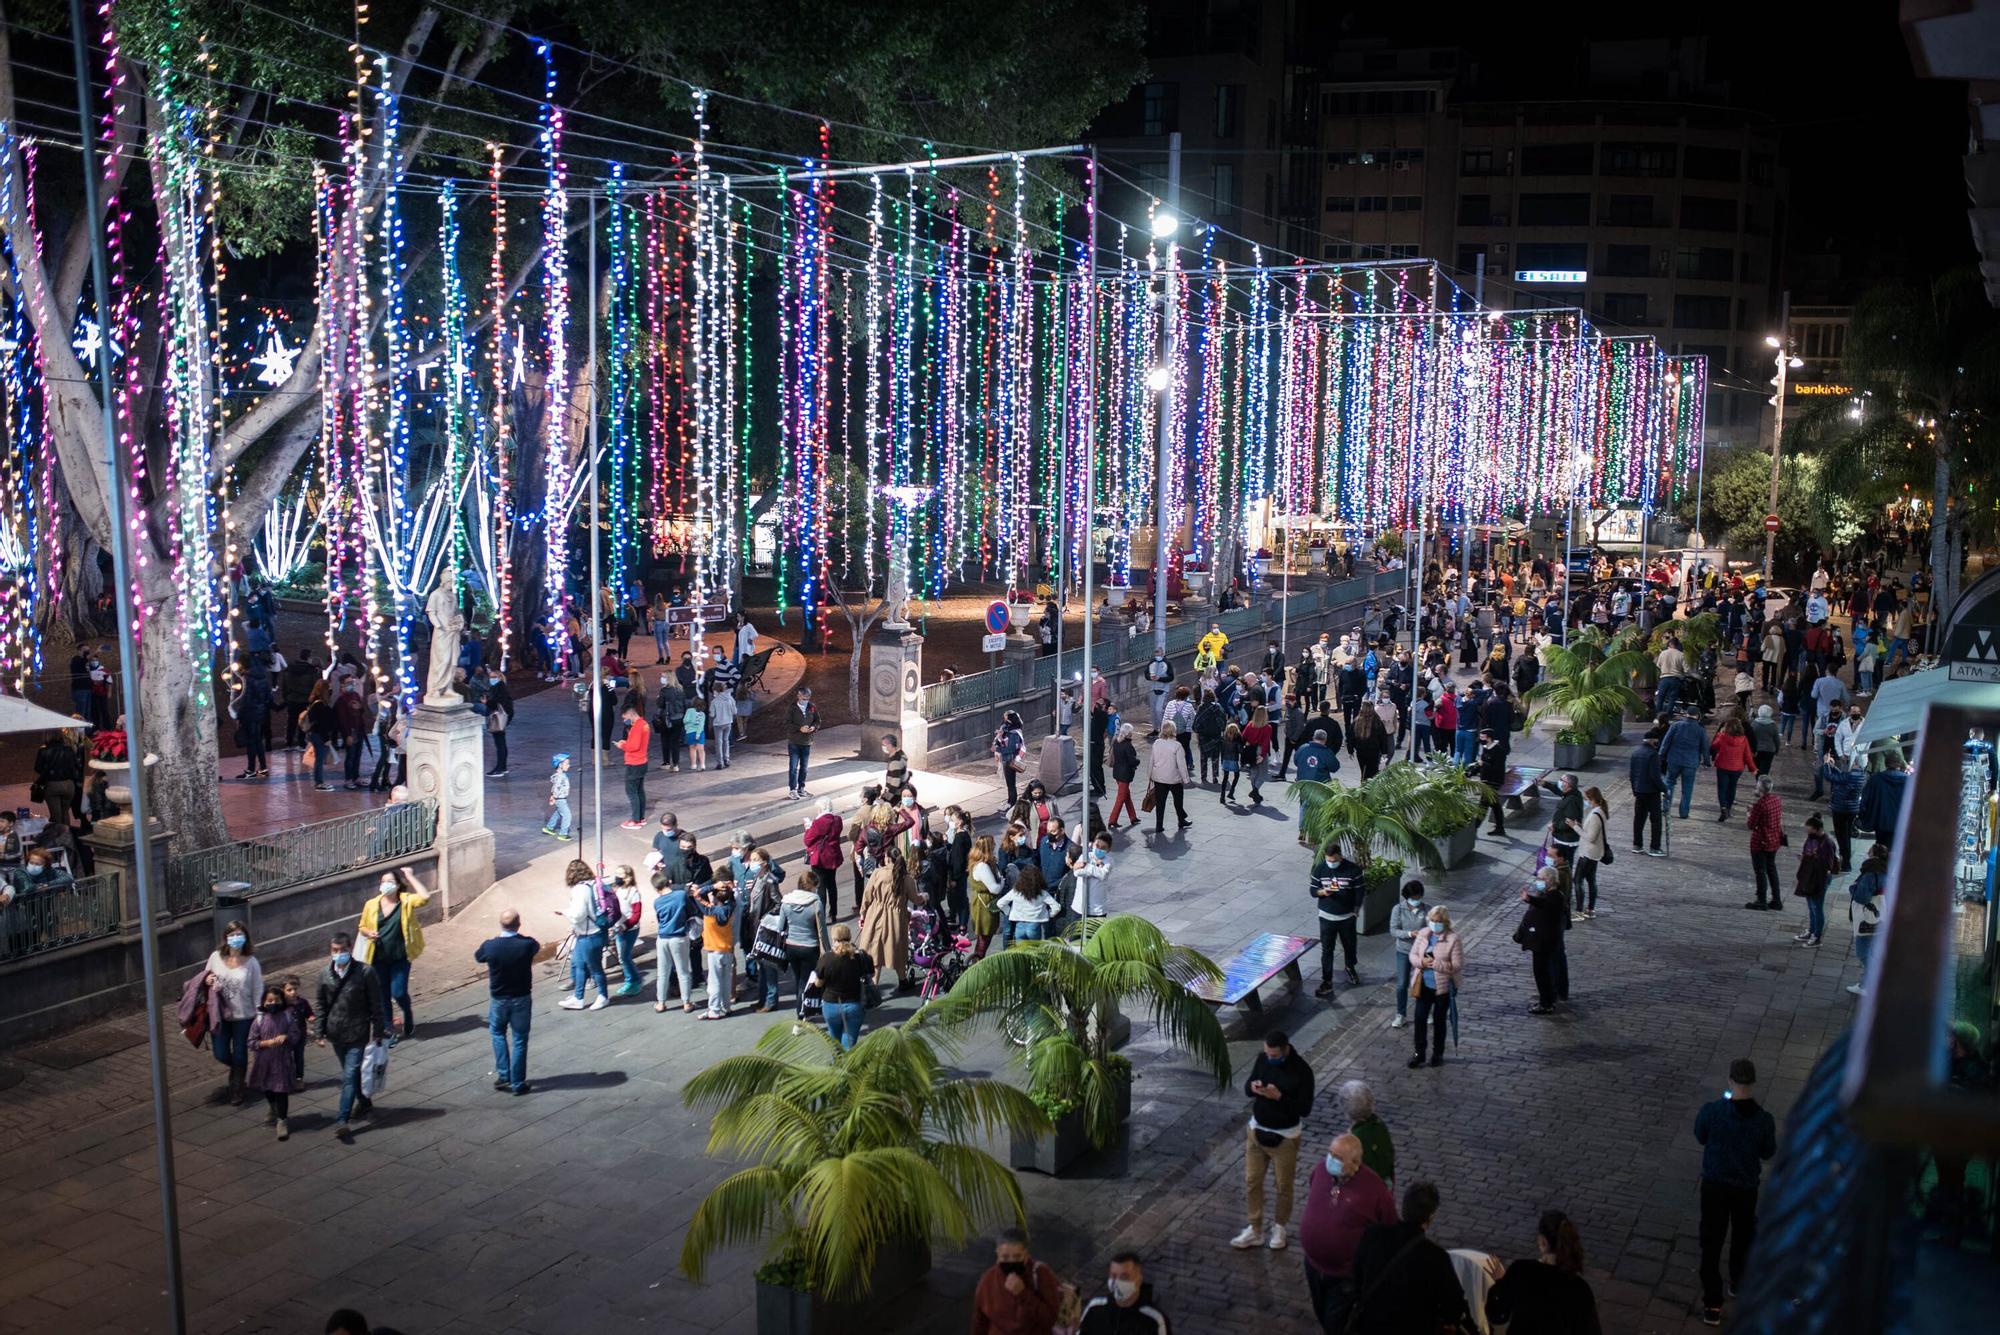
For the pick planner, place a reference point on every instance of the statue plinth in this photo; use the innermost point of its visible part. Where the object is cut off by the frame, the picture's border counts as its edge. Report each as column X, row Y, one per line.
column 447, row 764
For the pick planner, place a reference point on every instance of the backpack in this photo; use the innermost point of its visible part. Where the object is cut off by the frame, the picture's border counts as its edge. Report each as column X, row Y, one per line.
column 604, row 910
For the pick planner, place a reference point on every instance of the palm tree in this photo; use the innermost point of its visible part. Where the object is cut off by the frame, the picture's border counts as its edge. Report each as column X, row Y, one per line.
column 1388, row 814
column 1589, row 680
column 850, row 1153
column 1696, row 633
column 1924, row 360
column 1061, row 1001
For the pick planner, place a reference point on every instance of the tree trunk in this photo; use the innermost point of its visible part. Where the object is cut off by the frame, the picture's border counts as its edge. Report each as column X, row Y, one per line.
column 181, row 732
column 854, row 672
column 1940, row 529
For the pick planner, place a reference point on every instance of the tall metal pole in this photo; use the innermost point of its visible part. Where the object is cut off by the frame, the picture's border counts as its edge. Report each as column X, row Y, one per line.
column 1169, row 329
column 1086, row 427
column 596, row 572
column 1465, row 512
column 1416, row 611
column 1784, row 342
column 116, row 502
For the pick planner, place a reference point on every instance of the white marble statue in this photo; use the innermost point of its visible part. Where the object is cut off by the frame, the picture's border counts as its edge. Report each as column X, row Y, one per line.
column 447, row 629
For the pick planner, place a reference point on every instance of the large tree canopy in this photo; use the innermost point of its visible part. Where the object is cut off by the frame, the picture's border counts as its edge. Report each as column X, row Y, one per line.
column 277, row 81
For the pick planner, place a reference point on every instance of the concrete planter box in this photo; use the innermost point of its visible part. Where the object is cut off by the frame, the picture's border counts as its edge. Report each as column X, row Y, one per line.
column 1063, row 1146
column 1575, row 755
column 1376, row 902
column 1610, row 733
column 1457, row 846
column 783, row 1311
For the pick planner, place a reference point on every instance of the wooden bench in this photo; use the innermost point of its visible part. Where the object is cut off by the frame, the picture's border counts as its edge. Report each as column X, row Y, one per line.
column 1267, row 955
column 1520, row 792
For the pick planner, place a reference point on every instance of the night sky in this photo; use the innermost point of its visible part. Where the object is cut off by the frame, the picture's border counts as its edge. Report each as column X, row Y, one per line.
column 1872, row 152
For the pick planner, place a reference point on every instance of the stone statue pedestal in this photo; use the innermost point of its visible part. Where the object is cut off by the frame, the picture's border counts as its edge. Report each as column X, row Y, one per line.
column 895, row 691
column 446, row 747
column 115, row 846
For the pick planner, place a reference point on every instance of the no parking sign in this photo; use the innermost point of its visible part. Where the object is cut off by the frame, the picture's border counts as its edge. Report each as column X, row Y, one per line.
column 996, row 618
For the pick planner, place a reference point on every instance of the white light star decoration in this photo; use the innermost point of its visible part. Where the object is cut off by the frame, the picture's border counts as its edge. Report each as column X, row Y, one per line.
column 88, row 340
column 276, row 359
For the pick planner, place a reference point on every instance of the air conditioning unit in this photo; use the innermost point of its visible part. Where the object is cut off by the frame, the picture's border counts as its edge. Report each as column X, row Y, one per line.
column 1402, row 166
column 1499, row 247
column 1496, row 220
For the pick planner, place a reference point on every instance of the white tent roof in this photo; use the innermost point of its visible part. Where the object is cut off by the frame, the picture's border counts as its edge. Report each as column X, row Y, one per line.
column 1899, row 705
column 18, row 715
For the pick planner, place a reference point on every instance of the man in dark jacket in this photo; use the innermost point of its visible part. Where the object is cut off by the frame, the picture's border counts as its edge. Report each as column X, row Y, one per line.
column 1402, row 1280
column 1280, row 1089
column 1335, row 887
column 1737, row 1136
column 1352, row 684
column 1882, row 800
column 1649, row 791
column 351, row 1010
column 1683, row 751
column 300, row 674
column 1492, row 770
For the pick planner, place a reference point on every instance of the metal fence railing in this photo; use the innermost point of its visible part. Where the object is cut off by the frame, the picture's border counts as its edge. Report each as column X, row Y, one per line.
column 39, row 920
column 974, row 690
column 292, row 857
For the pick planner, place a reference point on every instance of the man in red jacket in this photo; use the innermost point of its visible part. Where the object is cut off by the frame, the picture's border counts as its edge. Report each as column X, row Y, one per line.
column 637, row 744
column 1344, row 1199
column 1017, row 1295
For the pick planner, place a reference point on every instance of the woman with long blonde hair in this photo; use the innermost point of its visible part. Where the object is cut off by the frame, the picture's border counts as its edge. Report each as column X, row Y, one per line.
column 983, row 876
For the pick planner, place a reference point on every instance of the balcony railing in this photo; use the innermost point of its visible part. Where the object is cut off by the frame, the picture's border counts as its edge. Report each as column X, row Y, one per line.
column 293, row 857
column 39, row 920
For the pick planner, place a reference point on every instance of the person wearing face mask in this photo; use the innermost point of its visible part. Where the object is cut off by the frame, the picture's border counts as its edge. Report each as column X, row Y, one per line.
column 1541, row 935
column 1335, row 887
column 885, row 916
column 1089, row 877
column 1017, row 1295
column 1280, row 1089
column 234, row 976
column 352, row 1010
column 803, row 921
column 272, row 1036
column 1344, row 1199
column 1437, row 956
column 1127, row 1305
column 625, row 932
column 1847, row 779
column 392, row 939
column 1405, row 921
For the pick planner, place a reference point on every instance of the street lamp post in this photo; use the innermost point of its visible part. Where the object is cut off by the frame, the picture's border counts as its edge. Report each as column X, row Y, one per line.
column 1165, row 223
column 1786, row 363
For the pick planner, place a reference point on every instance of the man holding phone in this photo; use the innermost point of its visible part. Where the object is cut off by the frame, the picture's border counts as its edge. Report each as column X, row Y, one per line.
column 1280, row 1088
column 1737, row 1136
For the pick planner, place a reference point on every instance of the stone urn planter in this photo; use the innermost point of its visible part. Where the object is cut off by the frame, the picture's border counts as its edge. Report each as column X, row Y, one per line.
column 782, row 1310
column 118, row 779
column 1019, row 615
column 1064, row 1145
column 1575, row 755
column 1196, row 581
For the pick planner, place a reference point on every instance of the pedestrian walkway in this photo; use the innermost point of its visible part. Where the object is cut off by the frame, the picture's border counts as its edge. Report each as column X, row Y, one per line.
column 461, row 1210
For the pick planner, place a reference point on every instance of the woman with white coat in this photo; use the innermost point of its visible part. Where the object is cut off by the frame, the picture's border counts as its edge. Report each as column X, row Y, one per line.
column 1593, row 847
column 1170, row 777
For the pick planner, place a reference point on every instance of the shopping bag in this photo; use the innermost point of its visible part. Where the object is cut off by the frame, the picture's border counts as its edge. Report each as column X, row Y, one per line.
column 374, row 1069
column 770, row 941
column 810, row 1001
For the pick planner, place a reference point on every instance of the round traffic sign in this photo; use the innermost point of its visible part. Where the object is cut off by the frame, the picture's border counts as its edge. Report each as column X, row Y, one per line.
column 996, row 618
column 1770, row 523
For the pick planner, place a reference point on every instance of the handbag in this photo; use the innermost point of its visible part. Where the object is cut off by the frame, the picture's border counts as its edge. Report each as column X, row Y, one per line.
column 38, row 791
column 810, row 1002
column 496, row 720
column 1151, row 799
column 770, row 941
column 1610, row 854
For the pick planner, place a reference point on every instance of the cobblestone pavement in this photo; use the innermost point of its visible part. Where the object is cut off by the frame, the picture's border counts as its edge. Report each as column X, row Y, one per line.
column 461, row 1210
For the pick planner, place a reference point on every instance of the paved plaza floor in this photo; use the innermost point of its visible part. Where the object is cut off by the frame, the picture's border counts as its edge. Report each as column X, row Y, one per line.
column 461, row 1210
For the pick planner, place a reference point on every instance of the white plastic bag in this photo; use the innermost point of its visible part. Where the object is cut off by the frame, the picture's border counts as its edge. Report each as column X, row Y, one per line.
column 374, row 1069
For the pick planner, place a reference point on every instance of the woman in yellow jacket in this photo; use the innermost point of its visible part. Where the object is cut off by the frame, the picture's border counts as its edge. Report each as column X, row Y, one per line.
column 389, row 939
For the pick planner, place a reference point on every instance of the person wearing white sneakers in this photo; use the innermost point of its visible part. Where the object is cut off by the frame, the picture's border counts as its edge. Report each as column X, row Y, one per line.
column 1280, row 1089
column 1405, row 921
column 592, row 910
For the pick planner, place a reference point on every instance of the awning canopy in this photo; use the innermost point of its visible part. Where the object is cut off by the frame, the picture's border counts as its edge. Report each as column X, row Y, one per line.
column 18, row 715
column 1899, row 705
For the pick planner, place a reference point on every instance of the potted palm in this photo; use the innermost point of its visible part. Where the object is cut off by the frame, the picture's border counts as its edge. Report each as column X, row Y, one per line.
column 859, row 1161
column 1059, row 1003
column 1589, row 683
column 1382, row 816
column 1452, row 825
